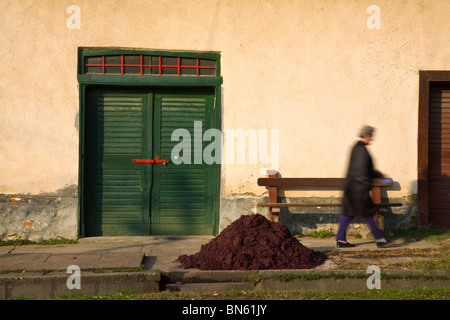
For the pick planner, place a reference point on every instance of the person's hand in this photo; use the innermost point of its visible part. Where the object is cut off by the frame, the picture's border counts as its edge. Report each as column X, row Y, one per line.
column 378, row 174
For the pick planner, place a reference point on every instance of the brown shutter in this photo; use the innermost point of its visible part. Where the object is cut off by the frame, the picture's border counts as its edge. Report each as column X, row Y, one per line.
column 439, row 157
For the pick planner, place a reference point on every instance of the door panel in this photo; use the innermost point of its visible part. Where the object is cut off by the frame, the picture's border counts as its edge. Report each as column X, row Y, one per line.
column 182, row 196
column 117, row 189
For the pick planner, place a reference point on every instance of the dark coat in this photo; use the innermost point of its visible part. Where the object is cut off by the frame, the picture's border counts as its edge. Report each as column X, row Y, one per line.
column 358, row 183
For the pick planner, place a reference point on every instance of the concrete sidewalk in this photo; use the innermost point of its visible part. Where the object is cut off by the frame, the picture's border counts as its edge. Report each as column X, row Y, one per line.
column 107, row 265
column 41, row 270
column 154, row 252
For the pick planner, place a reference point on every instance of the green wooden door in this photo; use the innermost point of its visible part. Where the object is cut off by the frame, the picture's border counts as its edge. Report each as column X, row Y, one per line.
column 182, row 194
column 125, row 198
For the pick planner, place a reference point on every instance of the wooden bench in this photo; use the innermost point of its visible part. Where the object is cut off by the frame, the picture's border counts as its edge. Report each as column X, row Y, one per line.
column 274, row 183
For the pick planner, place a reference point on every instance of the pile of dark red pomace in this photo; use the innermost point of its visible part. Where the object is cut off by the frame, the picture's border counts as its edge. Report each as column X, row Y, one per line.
column 252, row 242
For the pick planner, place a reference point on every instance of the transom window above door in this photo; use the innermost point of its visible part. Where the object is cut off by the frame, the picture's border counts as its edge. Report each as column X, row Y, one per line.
column 156, row 65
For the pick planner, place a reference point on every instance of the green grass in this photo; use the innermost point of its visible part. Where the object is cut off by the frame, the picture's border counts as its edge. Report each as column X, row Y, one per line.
column 54, row 241
column 322, row 234
column 441, row 262
column 287, row 276
column 139, row 269
column 432, row 234
column 420, row 293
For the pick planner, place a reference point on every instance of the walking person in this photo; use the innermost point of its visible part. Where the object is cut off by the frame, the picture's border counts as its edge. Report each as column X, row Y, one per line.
column 358, row 183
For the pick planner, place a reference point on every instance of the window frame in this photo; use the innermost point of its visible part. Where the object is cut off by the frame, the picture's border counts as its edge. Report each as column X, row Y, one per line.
column 147, row 79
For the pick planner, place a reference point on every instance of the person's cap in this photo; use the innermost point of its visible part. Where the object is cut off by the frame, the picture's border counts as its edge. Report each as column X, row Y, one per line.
column 366, row 131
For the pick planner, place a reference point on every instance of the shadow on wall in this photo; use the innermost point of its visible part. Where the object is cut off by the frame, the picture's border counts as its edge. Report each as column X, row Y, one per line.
column 304, row 220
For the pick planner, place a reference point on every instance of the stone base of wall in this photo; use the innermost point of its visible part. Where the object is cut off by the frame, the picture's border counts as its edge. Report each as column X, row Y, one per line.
column 50, row 216
column 306, row 220
column 40, row 217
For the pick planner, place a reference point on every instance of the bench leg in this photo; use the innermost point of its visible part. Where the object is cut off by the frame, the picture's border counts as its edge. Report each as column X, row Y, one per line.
column 272, row 217
column 273, row 199
column 376, row 198
column 273, row 212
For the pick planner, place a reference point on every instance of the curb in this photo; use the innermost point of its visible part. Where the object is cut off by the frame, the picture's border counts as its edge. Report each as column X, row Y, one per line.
column 345, row 285
column 51, row 285
column 33, row 285
column 300, row 280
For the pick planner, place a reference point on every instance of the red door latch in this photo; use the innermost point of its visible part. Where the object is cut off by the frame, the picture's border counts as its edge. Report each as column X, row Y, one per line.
column 155, row 161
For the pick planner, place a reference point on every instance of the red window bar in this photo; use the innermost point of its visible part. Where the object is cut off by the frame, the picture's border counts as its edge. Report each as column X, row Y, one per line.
column 141, row 65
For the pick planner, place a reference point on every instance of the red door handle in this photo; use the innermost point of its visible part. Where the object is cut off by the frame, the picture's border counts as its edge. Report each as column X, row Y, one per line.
column 157, row 161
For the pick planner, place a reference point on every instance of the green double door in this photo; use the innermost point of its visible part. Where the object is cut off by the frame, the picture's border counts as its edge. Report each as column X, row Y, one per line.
column 122, row 197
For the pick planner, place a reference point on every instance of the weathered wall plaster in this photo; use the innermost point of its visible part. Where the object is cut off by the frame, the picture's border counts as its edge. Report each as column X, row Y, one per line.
column 312, row 70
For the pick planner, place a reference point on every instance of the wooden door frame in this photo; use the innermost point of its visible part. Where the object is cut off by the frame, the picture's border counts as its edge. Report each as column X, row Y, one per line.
column 89, row 80
column 426, row 77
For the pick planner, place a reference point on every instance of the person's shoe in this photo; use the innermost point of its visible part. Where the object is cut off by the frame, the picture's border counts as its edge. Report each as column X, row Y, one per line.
column 381, row 242
column 344, row 244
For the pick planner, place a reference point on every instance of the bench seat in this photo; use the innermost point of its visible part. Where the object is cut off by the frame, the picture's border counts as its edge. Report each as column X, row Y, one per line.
column 320, row 184
column 282, row 205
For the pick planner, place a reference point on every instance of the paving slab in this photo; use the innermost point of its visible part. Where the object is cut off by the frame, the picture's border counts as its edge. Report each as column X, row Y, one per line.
column 88, row 261
column 79, row 248
column 6, row 249
column 161, row 255
column 16, row 262
column 61, row 261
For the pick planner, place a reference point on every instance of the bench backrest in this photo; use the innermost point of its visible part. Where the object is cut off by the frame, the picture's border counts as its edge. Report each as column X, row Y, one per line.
column 316, row 182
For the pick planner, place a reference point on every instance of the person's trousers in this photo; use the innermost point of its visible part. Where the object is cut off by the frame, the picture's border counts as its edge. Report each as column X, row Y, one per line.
column 344, row 222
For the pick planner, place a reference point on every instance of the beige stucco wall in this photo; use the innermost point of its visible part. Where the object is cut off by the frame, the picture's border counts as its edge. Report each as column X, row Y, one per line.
column 311, row 69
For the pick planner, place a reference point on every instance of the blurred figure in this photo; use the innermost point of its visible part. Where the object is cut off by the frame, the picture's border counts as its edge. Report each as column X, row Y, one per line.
column 357, row 201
